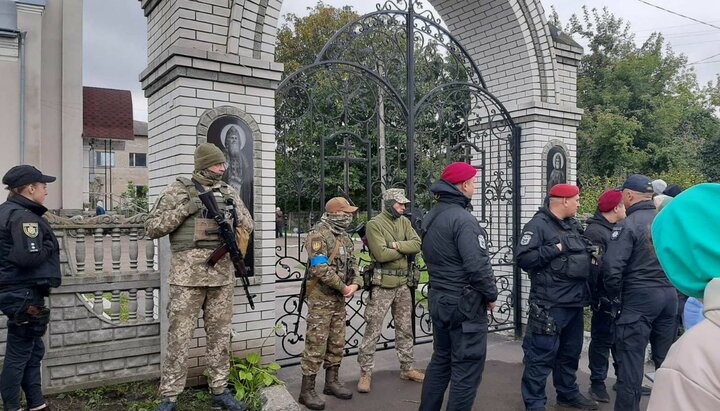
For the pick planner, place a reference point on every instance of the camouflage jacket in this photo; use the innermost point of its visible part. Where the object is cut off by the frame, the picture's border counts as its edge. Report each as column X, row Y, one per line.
column 332, row 276
column 188, row 268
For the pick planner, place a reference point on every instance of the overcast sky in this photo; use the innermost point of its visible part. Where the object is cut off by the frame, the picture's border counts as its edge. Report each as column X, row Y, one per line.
column 114, row 35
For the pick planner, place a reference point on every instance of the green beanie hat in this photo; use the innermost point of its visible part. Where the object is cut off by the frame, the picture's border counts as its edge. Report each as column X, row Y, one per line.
column 207, row 155
column 686, row 236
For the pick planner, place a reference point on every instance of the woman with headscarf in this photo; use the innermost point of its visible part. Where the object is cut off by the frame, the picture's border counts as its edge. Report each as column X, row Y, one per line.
column 686, row 237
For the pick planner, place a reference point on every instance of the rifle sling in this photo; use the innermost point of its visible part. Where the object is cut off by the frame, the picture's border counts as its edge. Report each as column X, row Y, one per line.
column 313, row 282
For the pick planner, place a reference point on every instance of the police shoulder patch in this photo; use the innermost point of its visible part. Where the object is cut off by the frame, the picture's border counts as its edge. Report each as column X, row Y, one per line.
column 527, row 236
column 30, row 229
column 616, row 233
column 481, row 240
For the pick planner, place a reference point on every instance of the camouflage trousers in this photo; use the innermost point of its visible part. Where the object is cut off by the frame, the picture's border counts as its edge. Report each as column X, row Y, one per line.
column 398, row 300
column 183, row 309
column 325, row 336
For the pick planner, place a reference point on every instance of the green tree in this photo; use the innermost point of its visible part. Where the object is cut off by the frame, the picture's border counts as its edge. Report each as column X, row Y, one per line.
column 327, row 100
column 644, row 111
column 134, row 199
column 300, row 39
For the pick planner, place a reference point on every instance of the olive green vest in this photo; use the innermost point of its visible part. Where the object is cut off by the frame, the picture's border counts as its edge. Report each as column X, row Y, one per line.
column 183, row 238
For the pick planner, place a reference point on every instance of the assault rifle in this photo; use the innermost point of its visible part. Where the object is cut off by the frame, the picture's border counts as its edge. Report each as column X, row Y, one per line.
column 412, row 284
column 301, row 299
column 227, row 235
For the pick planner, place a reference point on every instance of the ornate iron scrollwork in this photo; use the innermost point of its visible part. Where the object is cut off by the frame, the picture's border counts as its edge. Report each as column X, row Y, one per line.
column 390, row 99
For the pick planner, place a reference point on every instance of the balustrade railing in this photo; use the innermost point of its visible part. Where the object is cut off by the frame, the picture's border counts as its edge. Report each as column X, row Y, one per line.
column 103, row 245
column 103, row 265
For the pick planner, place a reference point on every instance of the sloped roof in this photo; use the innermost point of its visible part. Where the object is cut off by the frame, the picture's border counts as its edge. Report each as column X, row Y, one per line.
column 107, row 113
column 561, row 37
column 140, row 128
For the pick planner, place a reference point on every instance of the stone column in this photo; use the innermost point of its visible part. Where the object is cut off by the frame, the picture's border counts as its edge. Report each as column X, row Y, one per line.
column 531, row 68
column 197, row 64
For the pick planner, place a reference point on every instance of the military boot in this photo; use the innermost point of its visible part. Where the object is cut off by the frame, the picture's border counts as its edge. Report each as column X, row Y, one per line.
column 226, row 401
column 167, row 406
column 333, row 386
column 308, row 396
column 412, row 375
column 598, row 392
column 364, row 382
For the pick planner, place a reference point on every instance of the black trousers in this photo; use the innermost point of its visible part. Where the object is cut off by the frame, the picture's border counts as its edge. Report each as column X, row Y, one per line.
column 557, row 354
column 24, row 350
column 648, row 315
column 602, row 332
column 459, row 350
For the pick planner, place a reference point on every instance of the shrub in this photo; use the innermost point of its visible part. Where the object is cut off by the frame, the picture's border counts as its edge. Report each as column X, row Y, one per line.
column 248, row 376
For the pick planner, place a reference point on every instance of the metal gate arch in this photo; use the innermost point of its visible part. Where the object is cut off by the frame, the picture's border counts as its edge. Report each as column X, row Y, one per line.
column 402, row 98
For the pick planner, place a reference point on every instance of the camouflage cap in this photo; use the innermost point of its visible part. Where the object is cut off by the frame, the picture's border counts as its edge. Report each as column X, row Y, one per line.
column 395, row 194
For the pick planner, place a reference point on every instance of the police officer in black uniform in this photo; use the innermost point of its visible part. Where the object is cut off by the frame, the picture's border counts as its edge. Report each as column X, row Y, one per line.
column 634, row 277
column 462, row 289
column 610, row 210
column 556, row 257
column 29, row 267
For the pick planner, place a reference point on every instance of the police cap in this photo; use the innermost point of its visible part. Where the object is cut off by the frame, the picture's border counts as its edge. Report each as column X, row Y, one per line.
column 21, row 175
column 638, row 183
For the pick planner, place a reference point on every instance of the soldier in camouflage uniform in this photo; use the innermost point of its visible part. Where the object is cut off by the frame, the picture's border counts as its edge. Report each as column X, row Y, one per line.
column 194, row 285
column 331, row 278
column 391, row 240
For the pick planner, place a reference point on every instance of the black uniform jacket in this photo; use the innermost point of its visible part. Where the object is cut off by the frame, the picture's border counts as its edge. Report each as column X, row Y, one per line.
column 536, row 250
column 598, row 231
column 29, row 251
column 454, row 245
column 630, row 261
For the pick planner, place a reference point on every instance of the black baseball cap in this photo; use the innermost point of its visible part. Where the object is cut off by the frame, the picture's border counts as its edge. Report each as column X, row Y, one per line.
column 638, row 183
column 672, row 190
column 19, row 176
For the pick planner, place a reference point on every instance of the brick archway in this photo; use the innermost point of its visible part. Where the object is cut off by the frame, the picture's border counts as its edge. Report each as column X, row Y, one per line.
column 209, row 53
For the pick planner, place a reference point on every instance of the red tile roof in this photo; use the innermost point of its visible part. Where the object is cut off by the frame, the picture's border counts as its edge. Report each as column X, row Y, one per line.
column 107, row 113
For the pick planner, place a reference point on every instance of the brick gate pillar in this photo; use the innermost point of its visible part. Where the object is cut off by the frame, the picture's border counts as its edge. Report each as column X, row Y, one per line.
column 206, row 60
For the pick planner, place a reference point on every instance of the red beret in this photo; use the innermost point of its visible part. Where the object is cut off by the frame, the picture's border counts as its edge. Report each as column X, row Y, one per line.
column 564, row 190
column 609, row 200
column 458, row 172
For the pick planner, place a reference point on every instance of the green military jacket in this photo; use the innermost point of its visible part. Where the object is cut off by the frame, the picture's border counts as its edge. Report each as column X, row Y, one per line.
column 331, row 276
column 381, row 231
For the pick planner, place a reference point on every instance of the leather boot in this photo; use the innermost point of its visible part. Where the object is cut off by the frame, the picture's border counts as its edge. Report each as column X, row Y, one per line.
column 308, row 396
column 364, row 382
column 333, row 386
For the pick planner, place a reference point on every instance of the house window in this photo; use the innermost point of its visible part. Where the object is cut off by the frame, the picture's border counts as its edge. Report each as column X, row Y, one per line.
column 138, row 160
column 105, row 159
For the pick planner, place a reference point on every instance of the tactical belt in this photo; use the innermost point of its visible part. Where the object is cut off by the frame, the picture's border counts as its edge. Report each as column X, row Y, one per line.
column 391, row 272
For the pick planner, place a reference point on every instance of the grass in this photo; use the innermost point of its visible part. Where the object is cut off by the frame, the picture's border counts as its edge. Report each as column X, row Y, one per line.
column 124, row 306
column 587, row 317
column 133, row 396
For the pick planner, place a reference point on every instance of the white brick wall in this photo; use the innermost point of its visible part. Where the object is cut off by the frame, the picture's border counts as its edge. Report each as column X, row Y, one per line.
column 196, row 39
column 508, row 39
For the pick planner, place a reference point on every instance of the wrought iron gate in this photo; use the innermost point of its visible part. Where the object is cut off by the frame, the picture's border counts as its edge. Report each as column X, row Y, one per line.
column 389, row 101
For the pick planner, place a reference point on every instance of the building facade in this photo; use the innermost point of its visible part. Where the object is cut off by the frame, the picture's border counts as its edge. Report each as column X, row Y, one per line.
column 115, row 152
column 41, row 91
